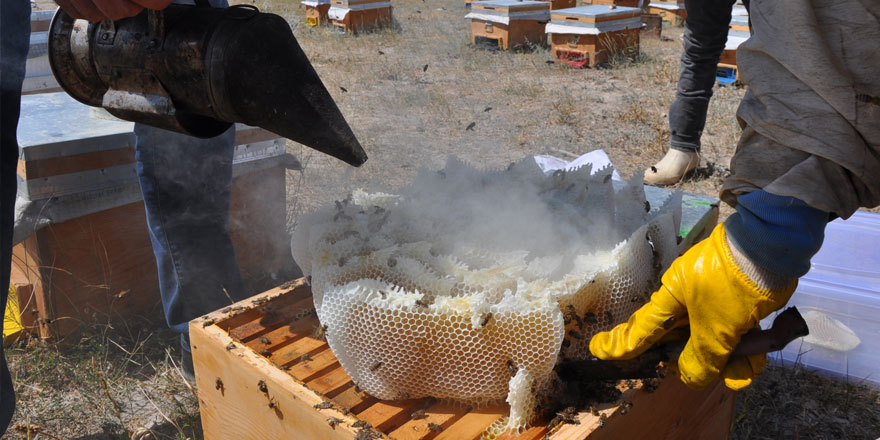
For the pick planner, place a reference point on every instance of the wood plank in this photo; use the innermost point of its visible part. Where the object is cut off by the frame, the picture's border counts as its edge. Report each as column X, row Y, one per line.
column 387, row 415
column 35, row 169
column 533, row 433
column 442, row 413
column 235, row 408
column 355, row 401
column 280, row 337
column 333, row 381
column 268, row 322
column 306, row 371
column 472, row 424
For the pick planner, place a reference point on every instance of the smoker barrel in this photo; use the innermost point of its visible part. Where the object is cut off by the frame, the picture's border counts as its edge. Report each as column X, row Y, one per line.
column 196, row 70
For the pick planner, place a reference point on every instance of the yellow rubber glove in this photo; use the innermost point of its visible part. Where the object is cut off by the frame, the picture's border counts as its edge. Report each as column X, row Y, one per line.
column 708, row 290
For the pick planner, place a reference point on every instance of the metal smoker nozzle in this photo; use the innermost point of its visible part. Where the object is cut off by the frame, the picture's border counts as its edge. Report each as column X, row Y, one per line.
column 197, row 70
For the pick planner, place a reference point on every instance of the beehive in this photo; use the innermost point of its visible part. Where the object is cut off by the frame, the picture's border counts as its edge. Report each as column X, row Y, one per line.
column 359, row 15
column 316, row 11
column 93, row 260
column 738, row 33
column 673, row 12
column 261, row 370
column 591, row 35
column 509, row 23
column 626, row 3
column 470, row 284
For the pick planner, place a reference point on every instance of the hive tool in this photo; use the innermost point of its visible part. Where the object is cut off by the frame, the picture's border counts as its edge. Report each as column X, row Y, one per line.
column 787, row 326
column 197, row 70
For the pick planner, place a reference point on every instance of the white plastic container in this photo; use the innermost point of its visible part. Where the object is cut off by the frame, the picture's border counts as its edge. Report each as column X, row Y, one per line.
column 844, row 284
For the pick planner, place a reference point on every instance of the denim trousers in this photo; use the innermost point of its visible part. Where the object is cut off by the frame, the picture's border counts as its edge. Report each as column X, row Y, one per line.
column 186, row 184
column 15, row 33
column 705, row 33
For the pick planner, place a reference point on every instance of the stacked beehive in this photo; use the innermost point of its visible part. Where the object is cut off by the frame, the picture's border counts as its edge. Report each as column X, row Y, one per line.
column 672, row 11
column 739, row 32
column 359, row 15
column 316, row 11
column 508, row 23
column 590, row 35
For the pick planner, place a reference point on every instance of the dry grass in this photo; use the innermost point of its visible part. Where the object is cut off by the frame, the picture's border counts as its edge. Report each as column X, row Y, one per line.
column 407, row 117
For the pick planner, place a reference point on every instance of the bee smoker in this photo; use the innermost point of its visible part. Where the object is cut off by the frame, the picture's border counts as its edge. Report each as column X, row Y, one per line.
column 196, row 70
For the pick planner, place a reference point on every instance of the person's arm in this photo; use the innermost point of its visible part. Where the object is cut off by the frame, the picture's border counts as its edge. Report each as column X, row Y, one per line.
column 723, row 287
column 98, row 10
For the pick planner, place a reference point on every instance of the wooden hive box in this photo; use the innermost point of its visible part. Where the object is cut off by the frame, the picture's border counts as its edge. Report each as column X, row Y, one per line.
column 673, row 12
column 591, row 35
column 509, row 23
column 93, row 262
column 653, row 25
column 263, row 373
column 627, row 3
column 316, row 11
column 359, row 15
column 727, row 70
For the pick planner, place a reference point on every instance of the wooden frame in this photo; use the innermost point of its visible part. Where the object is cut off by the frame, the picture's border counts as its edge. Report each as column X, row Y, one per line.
column 254, row 382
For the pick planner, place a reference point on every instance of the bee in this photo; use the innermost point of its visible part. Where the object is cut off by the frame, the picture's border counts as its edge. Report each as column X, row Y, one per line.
column 554, row 424
column 635, row 298
column 575, row 334
column 607, row 179
column 226, row 310
column 265, row 340
column 230, row 345
column 305, row 358
column 418, row 414
column 424, row 302
column 321, row 332
column 625, row 408
column 357, row 389
column 435, row 427
column 647, row 206
column 591, row 318
column 261, row 385
column 272, row 403
column 265, row 353
column 266, row 310
column 376, row 365
column 333, row 421
column 361, row 424
column 573, row 316
column 569, row 415
column 208, row 322
column 392, row 262
column 287, row 284
column 486, row 318
column 511, row 366
column 593, row 410
column 367, row 434
column 218, row 384
column 285, row 367
column 324, row 405
column 609, row 317
column 342, row 261
column 602, row 419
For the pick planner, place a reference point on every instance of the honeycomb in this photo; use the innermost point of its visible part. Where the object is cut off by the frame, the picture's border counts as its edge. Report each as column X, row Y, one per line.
column 470, row 285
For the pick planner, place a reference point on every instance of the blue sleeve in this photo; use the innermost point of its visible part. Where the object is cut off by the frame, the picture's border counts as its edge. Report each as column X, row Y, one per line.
column 778, row 233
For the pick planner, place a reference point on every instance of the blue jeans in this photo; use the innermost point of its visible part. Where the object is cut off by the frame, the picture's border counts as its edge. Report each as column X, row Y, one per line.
column 15, row 33
column 705, row 33
column 186, row 184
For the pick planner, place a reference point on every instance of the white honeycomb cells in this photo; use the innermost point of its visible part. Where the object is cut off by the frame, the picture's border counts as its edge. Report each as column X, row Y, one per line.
column 471, row 285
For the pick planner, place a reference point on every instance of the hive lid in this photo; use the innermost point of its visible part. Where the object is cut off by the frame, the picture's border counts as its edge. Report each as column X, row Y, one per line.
column 735, row 38
column 597, row 12
column 671, row 6
column 357, row 5
column 510, row 5
column 739, row 20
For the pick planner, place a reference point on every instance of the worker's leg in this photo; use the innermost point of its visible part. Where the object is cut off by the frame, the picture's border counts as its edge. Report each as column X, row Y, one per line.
column 705, row 33
column 15, row 31
column 186, row 185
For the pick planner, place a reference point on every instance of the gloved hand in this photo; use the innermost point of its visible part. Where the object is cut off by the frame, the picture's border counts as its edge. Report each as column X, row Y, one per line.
column 712, row 288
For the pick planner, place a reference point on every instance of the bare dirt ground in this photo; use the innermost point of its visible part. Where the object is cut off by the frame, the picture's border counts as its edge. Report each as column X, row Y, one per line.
column 410, row 93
